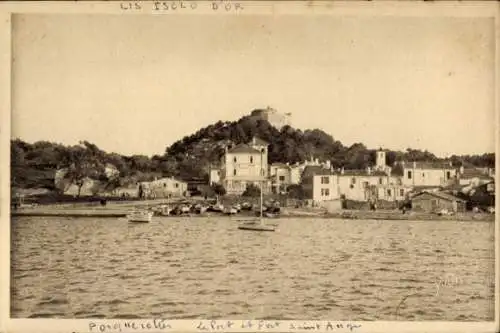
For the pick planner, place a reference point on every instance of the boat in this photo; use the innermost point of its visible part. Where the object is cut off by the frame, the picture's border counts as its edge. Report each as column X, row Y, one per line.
column 200, row 209
column 162, row 210
column 142, row 216
column 185, row 209
column 230, row 210
column 259, row 223
column 165, row 210
column 217, row 208
column 257, row 227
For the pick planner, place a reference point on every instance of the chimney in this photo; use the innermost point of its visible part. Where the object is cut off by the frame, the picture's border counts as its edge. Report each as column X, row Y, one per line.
column 368, row 170
column 342, row 170
column 414, row 164
column 461, row 170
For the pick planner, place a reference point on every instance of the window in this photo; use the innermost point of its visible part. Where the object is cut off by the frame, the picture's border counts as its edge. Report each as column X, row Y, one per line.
column 423, row 174
column 262, row 172
column 251, row 159
column 448, row 175
column 234, row 159
column 353, row 180
column 282, row 178
column 164, row 184
column 234, row 172
column 380, row 181
column 409, row 174
column 389, row 192
column 176, row 185
column 365, row 184
column 325, row 180
column 325, row 192
column 402, row 192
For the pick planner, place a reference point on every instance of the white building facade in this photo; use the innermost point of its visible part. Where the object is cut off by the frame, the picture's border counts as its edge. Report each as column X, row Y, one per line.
column 245, row 164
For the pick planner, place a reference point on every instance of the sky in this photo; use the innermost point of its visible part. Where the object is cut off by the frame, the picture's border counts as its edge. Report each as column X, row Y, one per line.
column 136, row 84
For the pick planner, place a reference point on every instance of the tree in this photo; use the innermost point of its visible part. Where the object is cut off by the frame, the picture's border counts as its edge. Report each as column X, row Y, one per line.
column 251, row 191
column 17, row 155
column 219, row 189
column 82, row 164
column 296, row 191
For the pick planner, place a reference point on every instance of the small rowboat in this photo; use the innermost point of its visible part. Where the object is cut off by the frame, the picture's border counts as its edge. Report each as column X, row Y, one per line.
column 141, row 216
column 256, row 226
column 230, row 211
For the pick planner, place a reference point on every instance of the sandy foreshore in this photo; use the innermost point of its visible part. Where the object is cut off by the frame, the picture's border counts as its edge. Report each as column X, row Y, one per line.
column 117, row 210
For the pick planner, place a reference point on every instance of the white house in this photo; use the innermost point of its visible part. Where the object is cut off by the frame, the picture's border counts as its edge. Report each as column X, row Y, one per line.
column 245, row 164
column 214, row 175
column 297, row 169
column 280, row 175
column 428, row 174
column 473, row 176
column 163, row 188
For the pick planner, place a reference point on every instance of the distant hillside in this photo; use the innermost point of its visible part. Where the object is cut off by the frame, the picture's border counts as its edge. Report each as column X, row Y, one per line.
column 34, row 165
column 205, row 147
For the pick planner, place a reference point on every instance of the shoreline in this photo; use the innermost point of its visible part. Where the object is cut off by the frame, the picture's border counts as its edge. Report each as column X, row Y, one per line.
column 287, row 213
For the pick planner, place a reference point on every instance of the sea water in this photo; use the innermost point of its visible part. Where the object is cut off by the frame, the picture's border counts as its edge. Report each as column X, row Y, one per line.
column 186, row 268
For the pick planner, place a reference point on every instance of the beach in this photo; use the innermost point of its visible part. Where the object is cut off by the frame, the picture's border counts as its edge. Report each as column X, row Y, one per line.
column 121, row 209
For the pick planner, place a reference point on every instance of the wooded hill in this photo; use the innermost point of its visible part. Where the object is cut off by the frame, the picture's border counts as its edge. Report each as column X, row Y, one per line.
column 34, row 165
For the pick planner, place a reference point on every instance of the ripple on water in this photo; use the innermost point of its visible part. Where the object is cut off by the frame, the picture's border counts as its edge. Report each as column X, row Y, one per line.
column 200, row 276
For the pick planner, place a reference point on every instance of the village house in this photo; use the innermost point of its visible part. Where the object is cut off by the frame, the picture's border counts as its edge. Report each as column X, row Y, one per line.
column 284, row 174
column 473, row 176
column 377, row 183
column 297, row 169
column 214, row 175
column 433, row 202
column 319, row 184
column 482, row 196
column 428, row 174
column 364, row 185
column 162, row 188
column 245, row 164
column 280, row 175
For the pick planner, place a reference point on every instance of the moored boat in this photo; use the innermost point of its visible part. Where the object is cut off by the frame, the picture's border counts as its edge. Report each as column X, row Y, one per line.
column 259, row 223
column 141, row 216
column 230, row 210
column 256, row 227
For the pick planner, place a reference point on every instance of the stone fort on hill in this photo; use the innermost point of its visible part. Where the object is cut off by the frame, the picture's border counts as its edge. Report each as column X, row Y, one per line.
column 274, row 117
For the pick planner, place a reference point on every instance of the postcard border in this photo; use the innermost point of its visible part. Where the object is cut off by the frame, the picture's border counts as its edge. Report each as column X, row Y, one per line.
column 359, row 8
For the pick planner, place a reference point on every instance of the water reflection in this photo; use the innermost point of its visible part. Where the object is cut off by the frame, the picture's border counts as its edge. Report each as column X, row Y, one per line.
column 205, row 267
